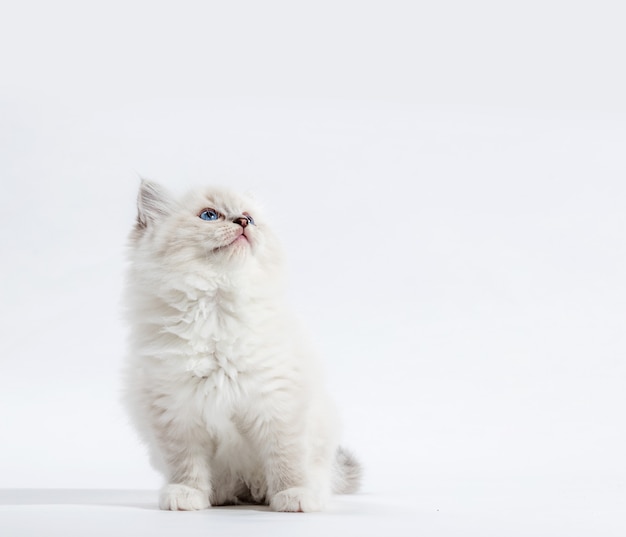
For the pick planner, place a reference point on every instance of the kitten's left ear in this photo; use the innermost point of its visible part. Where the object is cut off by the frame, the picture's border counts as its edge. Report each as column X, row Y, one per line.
column 153, row 203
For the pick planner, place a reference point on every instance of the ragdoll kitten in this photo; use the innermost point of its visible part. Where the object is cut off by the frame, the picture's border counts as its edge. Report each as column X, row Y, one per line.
column 221, row 385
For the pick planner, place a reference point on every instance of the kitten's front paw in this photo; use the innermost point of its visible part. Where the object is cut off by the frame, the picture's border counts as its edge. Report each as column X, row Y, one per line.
column 296, row 500
column 183, row 498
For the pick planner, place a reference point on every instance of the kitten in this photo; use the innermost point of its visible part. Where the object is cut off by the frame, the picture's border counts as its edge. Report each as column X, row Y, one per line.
column 221, row 385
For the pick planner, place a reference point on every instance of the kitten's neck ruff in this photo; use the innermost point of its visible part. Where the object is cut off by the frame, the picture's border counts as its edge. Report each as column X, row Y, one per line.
column 201, row 307
column 234, row 287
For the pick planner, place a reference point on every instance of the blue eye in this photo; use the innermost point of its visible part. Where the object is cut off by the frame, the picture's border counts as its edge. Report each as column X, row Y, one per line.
column 209, row 214
column 250, row 219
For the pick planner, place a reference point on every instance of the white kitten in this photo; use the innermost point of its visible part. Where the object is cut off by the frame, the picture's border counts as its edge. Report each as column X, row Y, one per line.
column 221, row 385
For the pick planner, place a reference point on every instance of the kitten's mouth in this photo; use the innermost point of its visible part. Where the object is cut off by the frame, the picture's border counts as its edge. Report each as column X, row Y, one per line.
column 240, row 238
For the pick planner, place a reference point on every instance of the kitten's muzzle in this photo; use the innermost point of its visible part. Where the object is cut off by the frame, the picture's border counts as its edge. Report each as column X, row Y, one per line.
column 243, row 221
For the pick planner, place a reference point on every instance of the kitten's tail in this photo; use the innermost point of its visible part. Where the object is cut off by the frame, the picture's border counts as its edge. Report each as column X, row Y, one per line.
column 347, row 472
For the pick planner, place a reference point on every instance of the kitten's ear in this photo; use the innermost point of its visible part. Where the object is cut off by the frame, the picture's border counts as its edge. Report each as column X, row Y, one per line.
column 153, row 203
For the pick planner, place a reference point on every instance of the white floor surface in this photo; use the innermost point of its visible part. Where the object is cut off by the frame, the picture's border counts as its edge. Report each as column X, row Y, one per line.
column 492, row 511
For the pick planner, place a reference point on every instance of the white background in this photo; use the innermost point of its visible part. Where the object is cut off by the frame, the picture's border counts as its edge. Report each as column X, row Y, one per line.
column 448, row 179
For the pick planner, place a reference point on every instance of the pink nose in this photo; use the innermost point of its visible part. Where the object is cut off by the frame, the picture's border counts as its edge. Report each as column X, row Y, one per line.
column 242, row 221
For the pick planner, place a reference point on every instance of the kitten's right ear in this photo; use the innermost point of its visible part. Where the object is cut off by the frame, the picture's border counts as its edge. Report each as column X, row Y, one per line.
column 153, row 204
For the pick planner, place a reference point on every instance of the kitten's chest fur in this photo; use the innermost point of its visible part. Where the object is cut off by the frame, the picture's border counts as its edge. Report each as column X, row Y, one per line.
column 221, row 348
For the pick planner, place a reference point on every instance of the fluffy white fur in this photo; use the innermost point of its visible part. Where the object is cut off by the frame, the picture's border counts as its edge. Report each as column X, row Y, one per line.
column 221, row 384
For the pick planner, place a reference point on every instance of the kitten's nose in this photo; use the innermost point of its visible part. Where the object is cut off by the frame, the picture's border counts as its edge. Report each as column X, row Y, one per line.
column 242, row 221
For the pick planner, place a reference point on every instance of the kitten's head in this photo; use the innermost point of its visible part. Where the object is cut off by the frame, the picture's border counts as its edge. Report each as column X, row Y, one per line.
column 213, row 228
